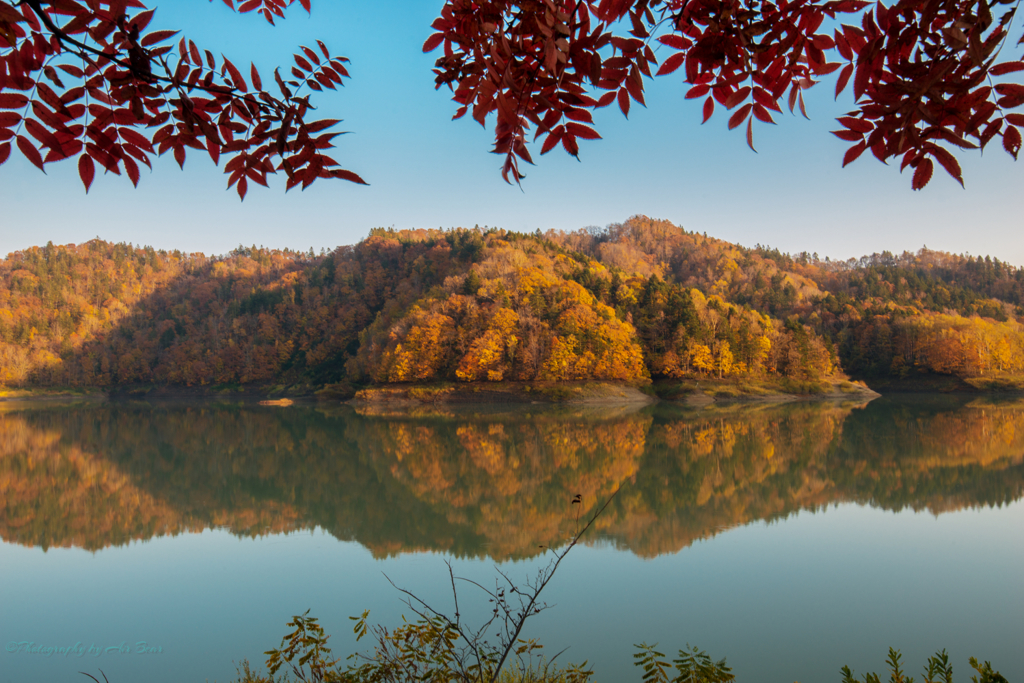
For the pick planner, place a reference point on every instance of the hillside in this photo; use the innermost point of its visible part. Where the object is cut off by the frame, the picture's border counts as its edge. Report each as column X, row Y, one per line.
column 638, row 301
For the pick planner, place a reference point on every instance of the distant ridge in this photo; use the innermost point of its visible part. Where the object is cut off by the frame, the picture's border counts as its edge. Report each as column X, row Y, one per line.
column 639, row 300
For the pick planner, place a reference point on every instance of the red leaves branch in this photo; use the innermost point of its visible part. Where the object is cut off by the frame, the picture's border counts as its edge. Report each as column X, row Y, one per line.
column 923, row 73
column 133, row 99
column 921, row 70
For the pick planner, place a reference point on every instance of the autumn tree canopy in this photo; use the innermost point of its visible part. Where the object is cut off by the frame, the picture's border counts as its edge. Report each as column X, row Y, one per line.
column 88, row 80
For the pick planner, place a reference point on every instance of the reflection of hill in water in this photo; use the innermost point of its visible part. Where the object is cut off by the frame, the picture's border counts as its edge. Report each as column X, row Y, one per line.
column 494, row 483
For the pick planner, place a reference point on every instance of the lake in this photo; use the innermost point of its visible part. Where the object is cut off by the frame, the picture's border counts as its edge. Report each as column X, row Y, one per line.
column 170, row 541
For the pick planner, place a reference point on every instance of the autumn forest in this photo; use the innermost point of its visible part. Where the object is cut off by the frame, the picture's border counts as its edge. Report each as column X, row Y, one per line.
column 637, row 301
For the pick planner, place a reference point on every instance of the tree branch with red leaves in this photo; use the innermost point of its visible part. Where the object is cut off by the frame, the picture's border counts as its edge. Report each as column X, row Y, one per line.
column 927, row 78
column 922, row 70
column 130, row 95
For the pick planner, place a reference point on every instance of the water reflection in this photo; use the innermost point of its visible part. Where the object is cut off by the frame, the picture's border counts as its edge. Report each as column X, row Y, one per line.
column 487, row 482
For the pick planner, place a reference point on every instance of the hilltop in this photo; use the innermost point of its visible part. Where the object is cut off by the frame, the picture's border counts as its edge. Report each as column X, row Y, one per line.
column 639, row 301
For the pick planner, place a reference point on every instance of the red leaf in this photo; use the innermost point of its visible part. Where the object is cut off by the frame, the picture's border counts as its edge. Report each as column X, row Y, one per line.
column 844, row 78
column 922, row 174
column 313, row 57
column 750, row 134
column 698, row 91
column 86, row 171
column 949, row 163
column 133, row 170
column 624, row 102
column 737, row 97
column 1006, row 67
column 674, row 40
column 855, row 124
column 854, row 152
column 5, row 152
column 740, row 116
column 156, row 37
column 671, row 64
column 570, row 145
column 256, row 82
column 762, row 114
column 848, row 135
column 236, row 75
column 32, row 154
column 432, row 42
column 580, row 131
column 12, row 100
column 349, row 176
column 136, row 139
column 141, row 20
column 709, row 109
column 1011, row 141
column 242, row 187
column 551, row 140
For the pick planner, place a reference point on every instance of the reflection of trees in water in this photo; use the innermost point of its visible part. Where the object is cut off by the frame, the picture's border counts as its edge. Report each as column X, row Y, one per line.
column 495, row 484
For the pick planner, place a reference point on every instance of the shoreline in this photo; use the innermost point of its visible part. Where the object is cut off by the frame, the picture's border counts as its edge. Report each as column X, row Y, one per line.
column 692, row 393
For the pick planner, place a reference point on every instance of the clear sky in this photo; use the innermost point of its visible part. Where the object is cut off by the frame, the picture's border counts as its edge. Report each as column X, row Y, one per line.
column 426, row 171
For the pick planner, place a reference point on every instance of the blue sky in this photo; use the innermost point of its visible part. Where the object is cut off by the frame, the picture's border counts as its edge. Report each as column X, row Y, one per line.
column 426, row 171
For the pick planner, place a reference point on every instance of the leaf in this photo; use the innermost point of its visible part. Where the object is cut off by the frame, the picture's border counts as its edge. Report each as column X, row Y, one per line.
column 855, row 124
column 12, row 100
column 740, row 116
column 432, row 42
column 1006, row 67
column 698, row 91
column 949, row 163
column 750, row 134
column 605, row 99
column 580, row 131
column 236, row 75
column 854, row 152
column 32, row 154
column 922, row 174
column 1011, row 141
column 313, row 57
column 737, row 97
column 5, row 152
column 624, row 102
column 86, row 171
column 671, row 64
column 762, row 114
column 551, row 140
column 709, row 109
column 156, row 37
column 844, row 78
column 349, row 176
column 255, row 75
column 848, row 135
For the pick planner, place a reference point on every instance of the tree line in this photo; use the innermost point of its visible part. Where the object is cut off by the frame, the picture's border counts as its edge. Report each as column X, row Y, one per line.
column 638, row 300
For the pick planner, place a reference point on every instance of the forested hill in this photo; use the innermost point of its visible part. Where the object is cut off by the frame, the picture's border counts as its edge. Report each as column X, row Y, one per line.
column 644, row 299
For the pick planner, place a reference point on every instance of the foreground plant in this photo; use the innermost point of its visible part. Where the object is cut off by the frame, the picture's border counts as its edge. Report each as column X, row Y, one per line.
column 937, row 670
column 693, row 665
column 438, row 647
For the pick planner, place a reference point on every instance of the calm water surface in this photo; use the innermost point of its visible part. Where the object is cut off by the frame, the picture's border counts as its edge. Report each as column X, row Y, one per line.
column 168, row 542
